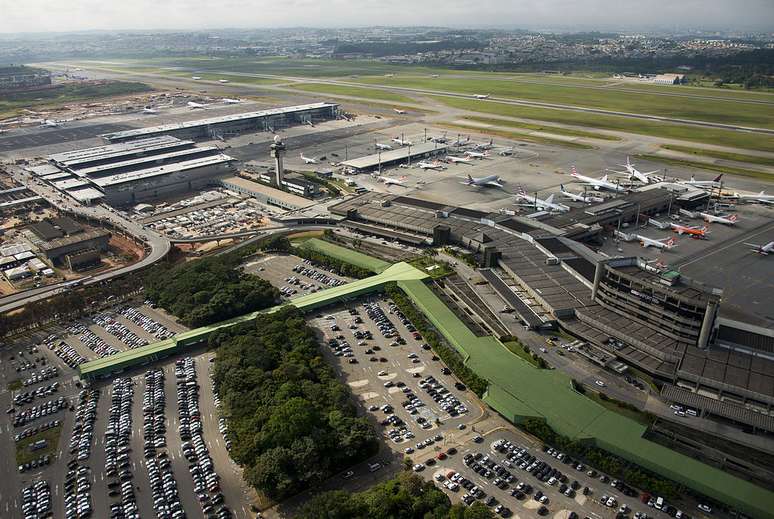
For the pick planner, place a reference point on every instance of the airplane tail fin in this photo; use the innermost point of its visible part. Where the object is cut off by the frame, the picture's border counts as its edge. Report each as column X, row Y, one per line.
column 717, row 178
column 733, row 217
column 550, row 199
column 604, row 179
column 670, row 242
column 561, row 187
column 574, row 172
column 470, row 179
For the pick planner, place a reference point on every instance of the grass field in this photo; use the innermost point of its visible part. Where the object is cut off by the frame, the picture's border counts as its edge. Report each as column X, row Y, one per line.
column 727, row 111
column 748, row 140
column 557, row 130
column 438, row 268
column 613, row 405
column 350, row 256
column 25, row 455
column 729, row 170
column 12, row 104
column 518, row 349
column 537, row 139
column 343, row 90
column 15, row 384
column 722, row 155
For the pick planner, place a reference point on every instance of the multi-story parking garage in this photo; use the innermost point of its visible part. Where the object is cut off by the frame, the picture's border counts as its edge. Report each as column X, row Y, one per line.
column 228, row 125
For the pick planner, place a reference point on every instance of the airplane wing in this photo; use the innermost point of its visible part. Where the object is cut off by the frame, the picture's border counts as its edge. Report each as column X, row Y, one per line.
column 494, row 183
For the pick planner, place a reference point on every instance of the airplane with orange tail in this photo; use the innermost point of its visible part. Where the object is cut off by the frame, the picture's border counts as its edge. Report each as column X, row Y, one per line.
column 699, row 233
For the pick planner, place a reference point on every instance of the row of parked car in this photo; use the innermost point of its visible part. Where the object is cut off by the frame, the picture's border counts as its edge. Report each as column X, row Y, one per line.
column 148, row 324
column 96, row 343
column 77, row 493
column 115, row 328
column 28, row 396
column 68, row 354
column 39, row 411
column 36, row 500
column 30, row 431
column 36, row 377
column 322, row 278
column 118, row 465
column 83, row 428
column 166, row 499
column 206, row 481
column 442, row 396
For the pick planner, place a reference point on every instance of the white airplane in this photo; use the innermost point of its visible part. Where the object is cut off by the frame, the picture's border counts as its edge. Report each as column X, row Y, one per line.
column 308, row 160
column 488, row 181
column 764, row 250
column 635, row 174
column 477, row 154
column 196, row 106
column 586, row 199
column 440, row 140
column 711, row 218
column 392, row 181
column 223, row 81
column 545, row 205
column 597, row 184
column 665, row 243
column 457, row 160
column 702, row 183
column 430, row 165
column 401, row 142
column 383, row 146
column 149, row 110
column 505, row 152
column 481, row 96
column 399, row 111
column 196, row 78
column 460, row 142
column 231, row 101
column 481, row 146
column 50, row 123
column 761, row 197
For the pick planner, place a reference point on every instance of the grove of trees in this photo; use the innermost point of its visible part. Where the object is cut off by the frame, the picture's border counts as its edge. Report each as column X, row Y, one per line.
column 208, row 290
column 292, row 423
column 407, row 496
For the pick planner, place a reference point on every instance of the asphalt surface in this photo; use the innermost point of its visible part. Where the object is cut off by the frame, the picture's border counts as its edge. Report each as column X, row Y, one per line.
column 33, row 138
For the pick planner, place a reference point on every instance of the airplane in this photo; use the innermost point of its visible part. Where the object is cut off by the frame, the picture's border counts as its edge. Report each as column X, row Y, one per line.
column 545, row 205
column 223, row 81
column 666, row 243
column 484, row 145
column 440, row 140
column 597, row 184
column 308, row 160
column 694, row 232
column 764, row 250
column 457, row 160
column 383, row 146
column 481, row 96
column 392, row 181
column 586, row 199
column 488, row 181
column 196, row 78
column 506, row 152
column 635, row 174
column 195, row 106
column 460, row 142
column 149, row 110
column 400, row 141
column 702, row 183
column 761, row 197
column 430, row 165
column 711, row 218
column 399, row 111
column 231, row 101
column 477, row 155
column 50, row 123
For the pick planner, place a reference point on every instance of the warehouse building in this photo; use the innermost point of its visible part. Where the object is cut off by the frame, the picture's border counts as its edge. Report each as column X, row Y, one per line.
column 294, row 183
column 55, row 250
column 403, row 155
column 266, row 194
column 16, row 78
column 130, row 172
column 228, row 125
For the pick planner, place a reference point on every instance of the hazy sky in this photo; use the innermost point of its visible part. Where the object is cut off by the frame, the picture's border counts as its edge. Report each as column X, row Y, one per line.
column 67, row 15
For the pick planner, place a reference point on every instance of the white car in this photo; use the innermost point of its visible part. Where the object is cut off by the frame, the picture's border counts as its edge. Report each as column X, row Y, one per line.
column 704, row 508
column 599, row 383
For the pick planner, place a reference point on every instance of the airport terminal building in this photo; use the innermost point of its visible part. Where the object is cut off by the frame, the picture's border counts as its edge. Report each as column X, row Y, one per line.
column 235, row 124
column 135, row 171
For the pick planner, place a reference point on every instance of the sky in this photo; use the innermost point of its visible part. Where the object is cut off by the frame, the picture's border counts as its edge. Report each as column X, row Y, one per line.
column 76, row 15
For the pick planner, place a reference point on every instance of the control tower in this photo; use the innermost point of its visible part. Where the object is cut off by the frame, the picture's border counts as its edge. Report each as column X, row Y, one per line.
column 277, row 151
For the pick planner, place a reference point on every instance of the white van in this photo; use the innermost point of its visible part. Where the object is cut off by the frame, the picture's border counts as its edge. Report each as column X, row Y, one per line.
column 659, row 503
column 373, row 467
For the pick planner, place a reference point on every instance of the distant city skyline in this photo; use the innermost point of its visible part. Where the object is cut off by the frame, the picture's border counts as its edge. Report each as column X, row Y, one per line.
column 84, row 15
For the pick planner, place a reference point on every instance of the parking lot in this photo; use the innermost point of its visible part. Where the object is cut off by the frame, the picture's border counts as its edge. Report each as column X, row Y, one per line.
column 415, row 403
column 293, row 276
